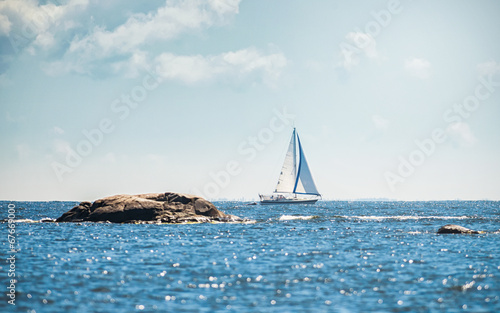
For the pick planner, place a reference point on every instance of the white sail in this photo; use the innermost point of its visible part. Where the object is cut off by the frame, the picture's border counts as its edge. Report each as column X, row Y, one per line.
column 304, row 183
column 295, row 183
column 288, row 176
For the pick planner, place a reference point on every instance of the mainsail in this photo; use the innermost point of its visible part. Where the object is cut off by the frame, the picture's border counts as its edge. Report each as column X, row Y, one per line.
column 295, row 177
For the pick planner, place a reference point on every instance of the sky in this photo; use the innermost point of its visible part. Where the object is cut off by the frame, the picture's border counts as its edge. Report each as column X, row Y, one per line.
column 391, row 99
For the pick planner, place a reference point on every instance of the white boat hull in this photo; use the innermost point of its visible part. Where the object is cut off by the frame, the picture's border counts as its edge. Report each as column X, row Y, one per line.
column 280, row 199
column 298, row 201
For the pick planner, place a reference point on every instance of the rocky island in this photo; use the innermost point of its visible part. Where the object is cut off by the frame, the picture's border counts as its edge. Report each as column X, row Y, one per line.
column 456, row 229
column 168, row 207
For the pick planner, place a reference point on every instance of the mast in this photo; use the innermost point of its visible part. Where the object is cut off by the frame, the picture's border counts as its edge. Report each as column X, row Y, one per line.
column 294, row 135
column 295, row 161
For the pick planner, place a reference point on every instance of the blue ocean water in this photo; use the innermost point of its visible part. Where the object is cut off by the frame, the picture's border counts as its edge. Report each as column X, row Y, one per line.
column 334, row 256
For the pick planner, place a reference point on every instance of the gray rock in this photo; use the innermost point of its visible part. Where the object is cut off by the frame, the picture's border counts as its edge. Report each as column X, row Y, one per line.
column 455, row 229
column 166, row 207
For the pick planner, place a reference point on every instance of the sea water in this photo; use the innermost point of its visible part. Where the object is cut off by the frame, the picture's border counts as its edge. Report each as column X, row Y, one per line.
column 334, row 256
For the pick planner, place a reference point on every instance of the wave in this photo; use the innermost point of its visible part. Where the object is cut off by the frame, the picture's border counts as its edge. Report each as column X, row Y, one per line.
column 408, row 217
column 297, row 217
column 28, row 220
column 377, row 218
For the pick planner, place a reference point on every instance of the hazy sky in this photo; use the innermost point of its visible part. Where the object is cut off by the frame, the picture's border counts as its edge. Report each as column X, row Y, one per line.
column 396, row 99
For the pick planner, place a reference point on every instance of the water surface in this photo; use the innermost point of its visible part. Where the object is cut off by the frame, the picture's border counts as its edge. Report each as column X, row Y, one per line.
column 334, row 256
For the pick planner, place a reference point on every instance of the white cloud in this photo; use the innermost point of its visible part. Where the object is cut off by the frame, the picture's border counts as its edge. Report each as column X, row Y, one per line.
column 188, row 69
column 419, row 68
column 45, row 40
column 132, row 67
column 122, row 49
column 461, row 134
column 380, row 122
column 30, row 24
column 167, row 22
column 57, row 68
column 109, row 158
column 349, row 59
column 381, row 125
column 356, row 45
column 224, row 7
column 488, row 68
column 61, row 147
column 5, row 25
column 191, row 69
column 365, row 42
column 57, row 130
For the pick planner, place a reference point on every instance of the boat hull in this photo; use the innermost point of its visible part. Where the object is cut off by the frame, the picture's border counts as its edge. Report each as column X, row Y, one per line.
column 298, row 201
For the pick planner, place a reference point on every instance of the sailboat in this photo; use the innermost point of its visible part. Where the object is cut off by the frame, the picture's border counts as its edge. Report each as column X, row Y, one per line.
column 295, row 183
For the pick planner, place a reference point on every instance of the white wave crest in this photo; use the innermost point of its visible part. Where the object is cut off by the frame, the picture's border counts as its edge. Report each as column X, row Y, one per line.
column 295, row 217
column 29, row 220
column 408, row 217
column 26, row 220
